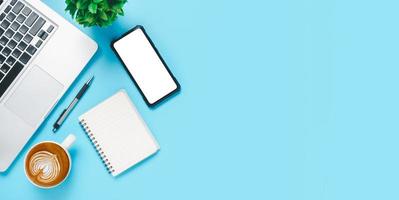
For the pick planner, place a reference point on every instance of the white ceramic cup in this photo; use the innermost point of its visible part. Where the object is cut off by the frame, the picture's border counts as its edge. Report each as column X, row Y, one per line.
column 68, row 141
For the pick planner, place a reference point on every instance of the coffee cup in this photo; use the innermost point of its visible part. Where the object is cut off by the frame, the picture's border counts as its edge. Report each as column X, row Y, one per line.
column 47, row 164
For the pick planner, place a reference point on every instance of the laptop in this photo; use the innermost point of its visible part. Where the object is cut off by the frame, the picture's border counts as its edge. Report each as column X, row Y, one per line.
column 41, row 54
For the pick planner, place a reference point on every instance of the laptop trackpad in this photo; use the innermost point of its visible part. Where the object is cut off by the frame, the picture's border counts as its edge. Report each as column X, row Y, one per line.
column 34, row 97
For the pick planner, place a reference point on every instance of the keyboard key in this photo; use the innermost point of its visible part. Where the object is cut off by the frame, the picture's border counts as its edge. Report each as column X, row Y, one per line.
column 38, row 43
column 12, row 44
column 18, row 7
column 6, row 51
column 7, row 9
column 10, row 60
column 31, row 49
column 11, row 17
column 9, row 33
column 42, row 34
column 18, row 37
column 22, row 46
column 26, row 11
column 16, row 53
column 28, row 38
column 37, row 26
column 3, row 41
column 23, row 29
column 50, row 28
column 21, row 18
column 1, row 76
column 5, row 68
column 31, row 19
column 1, row 31
column 5, row 24
column 15, row 26
column 9, row 78
column 25, row 58
column 13, row 2
column 2, row 59
column 2, row 16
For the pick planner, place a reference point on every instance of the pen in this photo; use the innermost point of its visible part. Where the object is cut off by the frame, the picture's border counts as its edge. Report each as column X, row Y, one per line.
column 68, row 110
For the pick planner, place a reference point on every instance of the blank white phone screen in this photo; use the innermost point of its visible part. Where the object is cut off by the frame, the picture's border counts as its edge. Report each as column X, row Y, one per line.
column 145, row 66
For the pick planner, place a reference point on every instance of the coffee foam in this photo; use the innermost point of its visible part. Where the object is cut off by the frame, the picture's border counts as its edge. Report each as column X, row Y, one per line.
column 44, row 166
column 47, row 164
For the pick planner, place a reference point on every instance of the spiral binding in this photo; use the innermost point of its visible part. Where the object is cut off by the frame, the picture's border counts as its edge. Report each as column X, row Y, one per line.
column 97, row 146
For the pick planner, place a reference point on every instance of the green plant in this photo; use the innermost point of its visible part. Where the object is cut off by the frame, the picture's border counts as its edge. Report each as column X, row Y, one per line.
column 95, row 12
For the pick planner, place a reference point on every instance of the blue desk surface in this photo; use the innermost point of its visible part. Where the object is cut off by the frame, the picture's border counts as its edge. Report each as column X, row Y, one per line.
column 280, row 100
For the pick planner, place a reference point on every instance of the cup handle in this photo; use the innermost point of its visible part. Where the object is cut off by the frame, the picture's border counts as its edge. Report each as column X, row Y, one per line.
column 68, row 141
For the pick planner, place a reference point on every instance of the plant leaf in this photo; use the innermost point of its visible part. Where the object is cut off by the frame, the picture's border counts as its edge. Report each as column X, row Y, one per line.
column 93, row 8
column 103, row 16
column 95, row 12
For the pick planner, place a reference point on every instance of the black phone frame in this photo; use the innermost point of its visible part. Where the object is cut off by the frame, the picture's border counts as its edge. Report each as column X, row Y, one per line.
column 178, row 88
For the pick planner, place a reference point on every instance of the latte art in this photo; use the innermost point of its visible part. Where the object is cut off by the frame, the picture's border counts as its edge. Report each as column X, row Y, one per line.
column 45, row 166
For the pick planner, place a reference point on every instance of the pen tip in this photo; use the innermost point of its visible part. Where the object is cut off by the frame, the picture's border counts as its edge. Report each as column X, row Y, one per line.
column 54, row 130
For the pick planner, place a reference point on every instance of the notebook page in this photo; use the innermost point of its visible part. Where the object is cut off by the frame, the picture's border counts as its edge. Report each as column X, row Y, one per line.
column 120, row 131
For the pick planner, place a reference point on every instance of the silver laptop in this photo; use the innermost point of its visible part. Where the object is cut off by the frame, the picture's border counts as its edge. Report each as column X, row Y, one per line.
column 41, row 54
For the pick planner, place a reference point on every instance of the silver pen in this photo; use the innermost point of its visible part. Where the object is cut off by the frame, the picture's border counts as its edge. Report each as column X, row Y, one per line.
column 72, row 105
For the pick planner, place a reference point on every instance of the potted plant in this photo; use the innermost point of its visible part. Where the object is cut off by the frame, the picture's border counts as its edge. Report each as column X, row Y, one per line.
column 95, row 12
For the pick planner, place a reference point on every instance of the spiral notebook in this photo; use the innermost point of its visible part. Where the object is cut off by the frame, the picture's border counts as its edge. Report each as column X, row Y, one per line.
column 118, row 133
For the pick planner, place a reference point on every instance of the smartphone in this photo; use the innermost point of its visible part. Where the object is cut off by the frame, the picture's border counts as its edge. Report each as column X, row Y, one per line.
column 145, row 66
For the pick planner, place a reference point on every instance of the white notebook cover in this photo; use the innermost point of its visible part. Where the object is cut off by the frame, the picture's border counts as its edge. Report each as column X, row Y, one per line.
column 118, row 133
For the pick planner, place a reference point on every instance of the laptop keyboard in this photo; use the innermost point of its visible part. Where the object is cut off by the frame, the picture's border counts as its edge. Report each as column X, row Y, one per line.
column 22, row 33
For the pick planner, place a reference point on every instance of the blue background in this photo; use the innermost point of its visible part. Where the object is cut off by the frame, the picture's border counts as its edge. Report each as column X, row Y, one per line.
column 290, row 99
